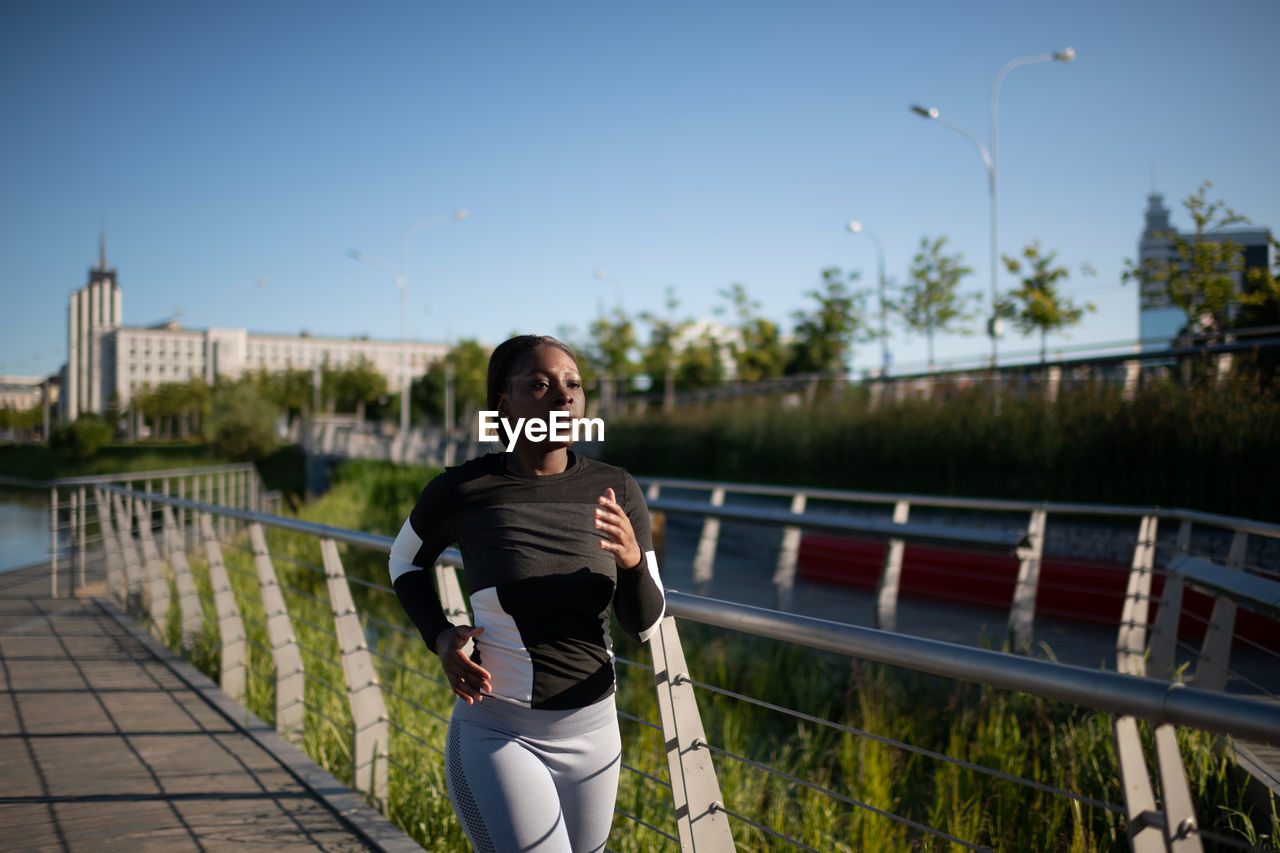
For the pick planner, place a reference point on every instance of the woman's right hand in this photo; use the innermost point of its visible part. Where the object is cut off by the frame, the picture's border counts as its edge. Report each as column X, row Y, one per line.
column 467, row 679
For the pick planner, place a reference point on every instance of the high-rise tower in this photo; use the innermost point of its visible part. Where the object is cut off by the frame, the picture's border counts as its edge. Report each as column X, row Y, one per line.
column 94, row 310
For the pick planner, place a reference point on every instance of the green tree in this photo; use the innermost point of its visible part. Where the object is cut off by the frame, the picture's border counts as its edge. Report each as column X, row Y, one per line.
column 659, row 358
column 930, row 302
column 242, row 420
column 1037, row 305
column 823, row 338
column 468, row 361
column 1203, row 281
column 757, row 352
column 354, row 386
column 81, row 438
column 699, row 364
column 613, row 340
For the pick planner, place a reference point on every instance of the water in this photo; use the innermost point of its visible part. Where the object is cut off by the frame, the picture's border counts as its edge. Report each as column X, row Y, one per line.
column 24, row 528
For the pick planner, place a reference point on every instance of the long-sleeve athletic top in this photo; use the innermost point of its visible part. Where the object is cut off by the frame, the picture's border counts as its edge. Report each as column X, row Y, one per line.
column 539, row 583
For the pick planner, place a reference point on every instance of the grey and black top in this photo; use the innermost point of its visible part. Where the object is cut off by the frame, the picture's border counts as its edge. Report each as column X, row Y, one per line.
column 540, row 584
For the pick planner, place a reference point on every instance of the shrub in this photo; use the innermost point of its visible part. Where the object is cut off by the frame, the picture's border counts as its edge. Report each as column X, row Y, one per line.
column 82, row 438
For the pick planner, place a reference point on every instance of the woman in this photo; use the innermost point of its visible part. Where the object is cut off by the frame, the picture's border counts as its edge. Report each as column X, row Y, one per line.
column 549, row 540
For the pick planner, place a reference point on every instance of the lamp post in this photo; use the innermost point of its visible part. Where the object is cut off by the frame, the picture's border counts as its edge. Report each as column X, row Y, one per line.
column 401, row 277
column 855, row 227
column 989, row 159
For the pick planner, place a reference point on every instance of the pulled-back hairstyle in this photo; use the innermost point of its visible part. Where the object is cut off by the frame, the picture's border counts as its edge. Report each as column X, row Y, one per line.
column 509, row 358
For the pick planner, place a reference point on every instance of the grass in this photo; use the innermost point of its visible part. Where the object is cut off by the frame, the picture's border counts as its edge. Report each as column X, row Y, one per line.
column 1059, row 745
column 1210, row 447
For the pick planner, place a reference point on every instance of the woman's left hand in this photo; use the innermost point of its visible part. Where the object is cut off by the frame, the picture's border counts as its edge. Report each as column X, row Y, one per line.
column 613, row 523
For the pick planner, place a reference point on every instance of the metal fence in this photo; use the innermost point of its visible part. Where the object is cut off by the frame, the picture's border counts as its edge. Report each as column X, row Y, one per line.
column 326, row 664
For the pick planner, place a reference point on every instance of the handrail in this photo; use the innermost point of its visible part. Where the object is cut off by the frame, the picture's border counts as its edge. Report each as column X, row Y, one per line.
column 1148, row 698
column 170, row 473
column 1261, row 528
column 937, row 534
column 1159, row 701
column 373, row 541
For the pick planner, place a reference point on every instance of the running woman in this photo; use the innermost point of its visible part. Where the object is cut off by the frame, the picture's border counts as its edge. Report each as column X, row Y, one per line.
column 550, row 540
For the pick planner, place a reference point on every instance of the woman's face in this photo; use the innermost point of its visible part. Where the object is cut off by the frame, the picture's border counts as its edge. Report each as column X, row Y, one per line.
column 547, row 382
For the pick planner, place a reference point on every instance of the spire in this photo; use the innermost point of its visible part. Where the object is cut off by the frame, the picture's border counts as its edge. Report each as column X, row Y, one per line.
column 102, row 250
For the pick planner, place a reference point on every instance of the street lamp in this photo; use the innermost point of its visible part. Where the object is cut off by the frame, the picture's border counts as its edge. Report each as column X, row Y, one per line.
column 855, row 227
column 401, row 277
column 989, row 159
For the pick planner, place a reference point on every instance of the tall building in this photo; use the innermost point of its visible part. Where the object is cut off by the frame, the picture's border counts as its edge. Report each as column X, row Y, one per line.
column 1159, row 320
column 108, row 361
column 95, row 310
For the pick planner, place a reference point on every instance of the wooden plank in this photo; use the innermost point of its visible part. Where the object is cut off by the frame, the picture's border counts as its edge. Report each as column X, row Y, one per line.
column 105, row 746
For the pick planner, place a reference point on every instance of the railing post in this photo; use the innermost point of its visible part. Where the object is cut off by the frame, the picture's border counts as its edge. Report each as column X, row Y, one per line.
column 157, row 583
column 188, row 598
column 80, row 534
column 705, row 557
column 53, row 542
column 453, row 602
column 1179, row 813
column 784, row 575
column 290, row 674
column 1022, row 613
column 110, row 546
column 181, row 519
column 230, row 624
column 368, row 710
column 1131, row 641
column 73, row 541
column 886, row 616
column 1215, row 651
column 132, row 563
column 700, row 817
column 1145, row 830
column 1162, row 658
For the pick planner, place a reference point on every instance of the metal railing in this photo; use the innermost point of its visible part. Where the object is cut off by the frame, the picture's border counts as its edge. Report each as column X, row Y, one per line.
column 332, row 668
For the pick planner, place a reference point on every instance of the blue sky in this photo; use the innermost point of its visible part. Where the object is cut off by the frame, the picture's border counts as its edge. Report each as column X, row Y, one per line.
column 684, row 145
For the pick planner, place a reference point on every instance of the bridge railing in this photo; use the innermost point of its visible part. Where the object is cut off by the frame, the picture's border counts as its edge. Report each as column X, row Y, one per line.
column 362, row 692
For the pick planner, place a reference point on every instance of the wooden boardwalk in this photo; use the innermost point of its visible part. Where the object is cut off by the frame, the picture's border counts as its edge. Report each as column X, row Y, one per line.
column 107, row 742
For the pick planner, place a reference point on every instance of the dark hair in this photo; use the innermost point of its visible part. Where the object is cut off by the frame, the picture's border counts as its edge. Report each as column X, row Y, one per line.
column 509, row 358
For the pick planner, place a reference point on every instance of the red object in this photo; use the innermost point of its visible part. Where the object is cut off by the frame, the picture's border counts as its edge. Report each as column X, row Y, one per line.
column 1078, row 590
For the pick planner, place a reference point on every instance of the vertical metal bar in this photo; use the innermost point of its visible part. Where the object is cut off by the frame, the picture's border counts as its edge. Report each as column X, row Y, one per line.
column 784, row 574
column 53, row 542
column 233, row 639
column 1022, row 612
column 111, row 547
column 73, row 511
column 188, row 598
column 1131, row 641
column 1145, row 834
column 886, row 616
column 1162, row 659
column 181, row 520
column 700, row 819
column 132, row 563
column 157, row 584
column 290, row 674
column 1180, row 823
column 80, row 534
column 705, row 557
column 368, row 711
column 1212, row 668
column 452, row 600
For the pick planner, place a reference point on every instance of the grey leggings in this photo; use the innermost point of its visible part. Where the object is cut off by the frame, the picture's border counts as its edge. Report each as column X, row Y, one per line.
column 534, row 781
